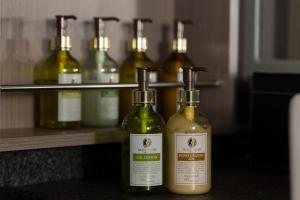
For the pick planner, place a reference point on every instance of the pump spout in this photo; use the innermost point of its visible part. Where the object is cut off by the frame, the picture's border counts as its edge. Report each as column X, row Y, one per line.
column 62, row 24
column 99, row 23
column 180, row 42
column 189, row 77
column 139, row 42
column 100, row 41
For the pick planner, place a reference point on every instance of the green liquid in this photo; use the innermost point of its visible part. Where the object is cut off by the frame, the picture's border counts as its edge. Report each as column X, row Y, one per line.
column 142, row 120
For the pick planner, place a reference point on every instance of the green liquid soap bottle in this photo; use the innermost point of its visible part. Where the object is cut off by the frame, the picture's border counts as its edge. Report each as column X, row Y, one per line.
column 100, row 108
column 142, row 146
column 137, row 58
column 188, row 143
column 172, row 68
column 60, row 109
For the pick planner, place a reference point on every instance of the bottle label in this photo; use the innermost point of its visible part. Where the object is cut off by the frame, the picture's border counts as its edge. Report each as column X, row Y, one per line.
column 69, row 102
column 108, row 100
column 152, row 77
column 146, row 166
column 190, row 158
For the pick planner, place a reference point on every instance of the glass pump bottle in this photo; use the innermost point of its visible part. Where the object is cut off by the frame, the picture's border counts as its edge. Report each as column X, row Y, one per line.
column 60, row 109
column 100, row 108
column 172, row 68
column 137, row 58
column 188, row 142
column 142, row 146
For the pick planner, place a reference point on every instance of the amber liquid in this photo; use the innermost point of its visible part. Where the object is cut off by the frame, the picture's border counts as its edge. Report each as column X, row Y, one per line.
column 128, row 75
column 171, row 68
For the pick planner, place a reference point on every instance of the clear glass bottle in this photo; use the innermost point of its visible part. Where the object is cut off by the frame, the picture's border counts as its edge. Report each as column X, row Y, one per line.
column 142, row 146
column 137, row 58
column 60, row 109
column 172, row 69
column 188, row 144
column 100, row 108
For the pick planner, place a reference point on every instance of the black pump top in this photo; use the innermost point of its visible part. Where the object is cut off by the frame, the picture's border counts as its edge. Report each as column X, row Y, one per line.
column 62, row 25
column 189, row 76
column 139, row 26
column 179, row 27
column 99, row 23
column 143, row 77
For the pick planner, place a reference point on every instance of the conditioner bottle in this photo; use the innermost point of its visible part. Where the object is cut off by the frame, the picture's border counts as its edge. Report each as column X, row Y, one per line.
column 142, row 147
column 188, row 142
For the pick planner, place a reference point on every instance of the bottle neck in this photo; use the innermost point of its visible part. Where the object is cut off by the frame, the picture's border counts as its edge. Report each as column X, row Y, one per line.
column 189, row 110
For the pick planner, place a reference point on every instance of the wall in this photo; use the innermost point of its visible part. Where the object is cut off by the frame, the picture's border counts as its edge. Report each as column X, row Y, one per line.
column 26, row 27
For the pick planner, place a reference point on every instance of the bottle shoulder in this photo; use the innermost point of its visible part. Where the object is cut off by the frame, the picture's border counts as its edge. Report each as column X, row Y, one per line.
column 178, row 123
column 152, row 123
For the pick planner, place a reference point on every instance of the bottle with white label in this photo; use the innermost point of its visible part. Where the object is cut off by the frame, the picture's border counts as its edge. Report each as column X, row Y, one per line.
column 137, row 58
column 172, row 69
column 142, row 146
column 60, row 109
column 188, row 143
column 100, row 108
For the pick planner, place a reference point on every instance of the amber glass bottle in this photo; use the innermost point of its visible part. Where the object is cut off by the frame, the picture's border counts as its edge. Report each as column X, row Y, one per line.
column 172, row 69
column 137, row 58
column 60, row 109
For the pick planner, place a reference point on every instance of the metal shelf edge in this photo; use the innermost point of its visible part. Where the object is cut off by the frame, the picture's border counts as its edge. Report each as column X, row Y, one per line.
column 12, row 88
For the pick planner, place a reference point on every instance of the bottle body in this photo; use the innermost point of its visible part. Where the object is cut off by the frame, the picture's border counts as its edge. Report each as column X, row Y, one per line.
column 142, row 150
column 128, row 74
column 172, row 72
column 188, row 146
column 60, row 109
column 100, row 108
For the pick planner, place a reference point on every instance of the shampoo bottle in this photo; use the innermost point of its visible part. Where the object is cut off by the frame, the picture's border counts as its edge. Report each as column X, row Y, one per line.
column 60, row 109
column 100, row 108
column 188, row 142
column 142, row 147
column 137, row 58
column 172, row 68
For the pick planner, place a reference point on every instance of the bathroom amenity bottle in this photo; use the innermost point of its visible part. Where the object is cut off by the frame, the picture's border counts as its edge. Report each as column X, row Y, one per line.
column 188, row 142
column 172, row 69
column 60, row 109
column 100, row 108
column 142, row 147
column 137, row 58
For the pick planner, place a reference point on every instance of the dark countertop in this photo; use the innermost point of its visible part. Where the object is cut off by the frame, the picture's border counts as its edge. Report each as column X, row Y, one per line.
column 232, row 183
column 235, row 177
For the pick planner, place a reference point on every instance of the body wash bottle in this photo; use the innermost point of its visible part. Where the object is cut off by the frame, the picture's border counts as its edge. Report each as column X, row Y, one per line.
column 172, row 68
column 100, row 108
column 188, row 142
column 137, row 58
column 60, row 109
column 142, row 147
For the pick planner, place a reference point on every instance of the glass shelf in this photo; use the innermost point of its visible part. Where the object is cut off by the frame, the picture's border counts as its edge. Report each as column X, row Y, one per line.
column 13, row 88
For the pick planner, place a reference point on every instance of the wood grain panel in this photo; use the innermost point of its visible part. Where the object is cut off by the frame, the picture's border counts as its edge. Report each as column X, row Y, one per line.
column 30, row 138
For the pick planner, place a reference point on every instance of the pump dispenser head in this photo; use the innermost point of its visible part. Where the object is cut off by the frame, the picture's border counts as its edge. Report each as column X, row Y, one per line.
column 100, row 41
column 179, row 42
column 189, row 94
column 143, row 94
column 139, row 42
column 62, row 41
